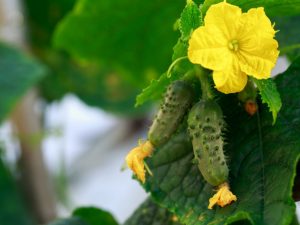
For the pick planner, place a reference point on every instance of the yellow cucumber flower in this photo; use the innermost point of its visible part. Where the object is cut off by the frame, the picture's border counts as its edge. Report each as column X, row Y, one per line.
column 234, row 44
column 135, row 159
column 223, row 197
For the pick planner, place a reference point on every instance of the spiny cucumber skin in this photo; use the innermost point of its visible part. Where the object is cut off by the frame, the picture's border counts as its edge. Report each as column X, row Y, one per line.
column 206, row 123
column 177, row 101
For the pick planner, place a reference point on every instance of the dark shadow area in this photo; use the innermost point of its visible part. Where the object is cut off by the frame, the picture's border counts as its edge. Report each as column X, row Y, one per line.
column 242, row 222
column 296, row 187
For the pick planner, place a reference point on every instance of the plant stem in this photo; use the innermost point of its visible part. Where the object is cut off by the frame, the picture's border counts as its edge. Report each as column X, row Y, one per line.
column 203, row 76
column 189, row 76
column 174, row 64
column 34, row 178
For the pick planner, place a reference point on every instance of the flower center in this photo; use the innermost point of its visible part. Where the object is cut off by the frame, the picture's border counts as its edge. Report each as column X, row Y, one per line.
column 233, row 45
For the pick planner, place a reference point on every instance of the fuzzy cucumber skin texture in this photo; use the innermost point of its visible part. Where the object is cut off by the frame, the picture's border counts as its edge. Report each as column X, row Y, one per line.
column 178, row 99
column 205, row 125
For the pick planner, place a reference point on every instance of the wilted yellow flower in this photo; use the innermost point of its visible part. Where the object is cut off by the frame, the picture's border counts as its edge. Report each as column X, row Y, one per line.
column 135, row 159
column 223, row 197
column 234, row 44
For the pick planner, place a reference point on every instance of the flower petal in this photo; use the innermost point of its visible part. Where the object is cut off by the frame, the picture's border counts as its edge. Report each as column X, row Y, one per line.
column 224, row 17
column 138, row 168
column 231, row 80
column 135, row 159
column 259, row 67
column 208, row 48
column 255, row 24
column 223, row 197
column 257, row 47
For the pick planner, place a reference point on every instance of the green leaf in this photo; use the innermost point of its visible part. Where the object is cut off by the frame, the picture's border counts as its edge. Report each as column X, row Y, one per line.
column 69, row 221
column 149, row 213
column 19, row 72
column 95, row 216
column 262, row 162
column 133, row 37
column 272, row 7
column 269, row 95
column 190, row 19
column 156, row 89
column 13, row 210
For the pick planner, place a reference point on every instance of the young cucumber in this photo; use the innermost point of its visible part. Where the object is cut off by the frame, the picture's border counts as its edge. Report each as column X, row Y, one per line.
column 206, row 123
column 178, row 99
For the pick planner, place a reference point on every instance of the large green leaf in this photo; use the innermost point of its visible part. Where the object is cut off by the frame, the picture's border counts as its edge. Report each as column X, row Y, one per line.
column 149, row 213
column 95, row 216
column 133, row 37
column 272, row 7
column 18, row 72
column 12, row 207
column 262, row 161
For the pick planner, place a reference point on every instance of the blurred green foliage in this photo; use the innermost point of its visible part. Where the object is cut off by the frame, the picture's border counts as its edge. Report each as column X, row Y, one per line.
column 288, row 35
column 12, row 208
column 94, row 85
column 272, row 7
column 42, row 18
column 69, row 221
column 127, row 44
column 87, row 216
column 95, row 216
column 18, row 72
column 134, row 37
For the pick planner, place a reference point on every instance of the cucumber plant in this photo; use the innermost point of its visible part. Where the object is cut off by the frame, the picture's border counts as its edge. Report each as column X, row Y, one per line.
column 205, row 121
column 254, row 147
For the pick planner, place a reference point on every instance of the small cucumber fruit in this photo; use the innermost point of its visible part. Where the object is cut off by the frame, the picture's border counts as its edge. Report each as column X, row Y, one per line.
column 177, row 100
column 205, row 125
column 248, row 98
